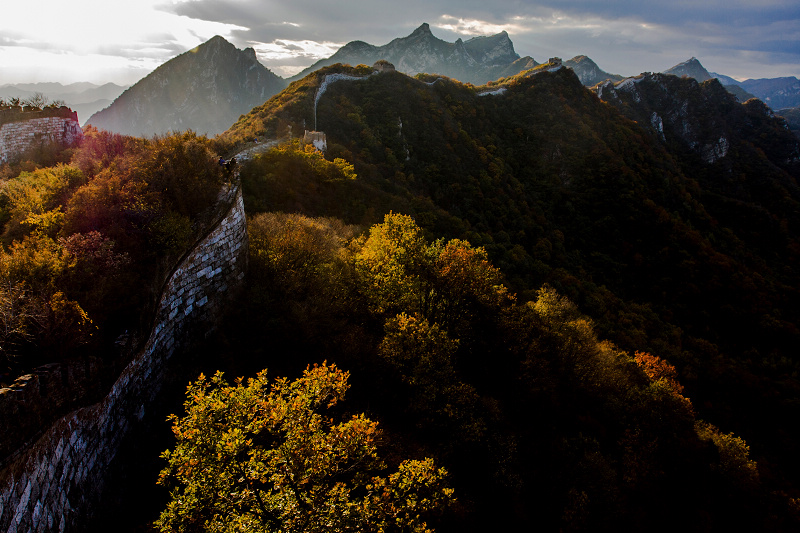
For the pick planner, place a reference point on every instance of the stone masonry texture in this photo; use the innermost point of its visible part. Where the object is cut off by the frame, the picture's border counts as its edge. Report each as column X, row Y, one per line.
column 19, row 135
column 55, row 483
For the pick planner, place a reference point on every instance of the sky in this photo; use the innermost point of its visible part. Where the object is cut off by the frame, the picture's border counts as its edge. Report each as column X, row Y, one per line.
column 121, row 41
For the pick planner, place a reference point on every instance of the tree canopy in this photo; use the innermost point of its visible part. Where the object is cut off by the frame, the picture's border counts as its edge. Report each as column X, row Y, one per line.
column 266, row 457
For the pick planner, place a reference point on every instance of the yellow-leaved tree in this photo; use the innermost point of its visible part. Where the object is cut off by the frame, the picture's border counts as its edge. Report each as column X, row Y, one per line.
column 263, row 457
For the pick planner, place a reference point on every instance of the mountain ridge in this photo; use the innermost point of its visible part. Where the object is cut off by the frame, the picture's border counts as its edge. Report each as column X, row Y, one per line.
column 84, row 97
column 671, row 215
column 477, row 60
column 589, row 72
column 204, row 89
column 694, row 69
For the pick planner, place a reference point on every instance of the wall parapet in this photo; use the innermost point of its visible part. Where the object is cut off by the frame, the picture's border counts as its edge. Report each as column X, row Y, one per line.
column 23, row 130
column 56, row 483
column 19, row 113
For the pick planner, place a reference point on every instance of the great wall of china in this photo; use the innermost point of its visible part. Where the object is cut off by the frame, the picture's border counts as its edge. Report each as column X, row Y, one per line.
column 54, row 483
column 22, row 130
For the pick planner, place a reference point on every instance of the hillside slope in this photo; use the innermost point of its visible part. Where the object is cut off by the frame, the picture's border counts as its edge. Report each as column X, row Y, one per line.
column 671, row 214
column 205, row 90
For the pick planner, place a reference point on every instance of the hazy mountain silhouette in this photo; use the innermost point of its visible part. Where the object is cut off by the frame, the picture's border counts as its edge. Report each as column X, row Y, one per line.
column 477, row 60
column 205, row 89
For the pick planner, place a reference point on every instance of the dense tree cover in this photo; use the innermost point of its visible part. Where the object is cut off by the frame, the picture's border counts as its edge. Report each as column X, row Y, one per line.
column 265, row 457
column 668, row 253
column 792, row 117
column 538, row 421
column 86, row 244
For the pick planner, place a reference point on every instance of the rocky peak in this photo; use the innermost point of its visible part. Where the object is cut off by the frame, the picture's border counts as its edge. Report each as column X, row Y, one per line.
column 477, row 60
column 205, row 89
column 691, row 68
column 424, row 30
column 588, row 71
column 251, row 53
column 492, row 50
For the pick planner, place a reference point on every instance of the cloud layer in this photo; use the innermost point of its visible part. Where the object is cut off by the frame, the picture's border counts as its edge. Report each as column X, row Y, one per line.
column 756, row 38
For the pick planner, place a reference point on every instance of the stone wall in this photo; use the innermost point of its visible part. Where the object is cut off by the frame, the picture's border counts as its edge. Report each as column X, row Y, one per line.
column 25, row 130
column 317, row 138
column 54, row 485
column 34, row 401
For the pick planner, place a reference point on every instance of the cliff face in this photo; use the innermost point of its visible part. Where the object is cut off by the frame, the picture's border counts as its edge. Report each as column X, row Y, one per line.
column 477, row 60
column 205, row 89
column 702, row 117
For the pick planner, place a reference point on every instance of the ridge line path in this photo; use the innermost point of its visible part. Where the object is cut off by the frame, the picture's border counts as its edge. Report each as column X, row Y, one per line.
column 259, row 148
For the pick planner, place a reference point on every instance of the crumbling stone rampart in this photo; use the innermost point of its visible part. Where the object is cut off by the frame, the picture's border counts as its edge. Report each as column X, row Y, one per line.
column 21, row 131
column 54, row 484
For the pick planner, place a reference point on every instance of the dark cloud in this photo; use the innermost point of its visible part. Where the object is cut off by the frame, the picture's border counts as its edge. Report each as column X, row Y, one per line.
column 632, row 34
column 678, row 12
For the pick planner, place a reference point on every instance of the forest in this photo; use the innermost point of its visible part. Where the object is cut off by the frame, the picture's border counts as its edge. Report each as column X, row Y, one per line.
column 542, row 314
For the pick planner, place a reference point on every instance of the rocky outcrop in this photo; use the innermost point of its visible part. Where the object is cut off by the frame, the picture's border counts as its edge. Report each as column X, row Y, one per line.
column 701, row 118
column 205, row 90
column 588, row 71
column 54, row 484
column 691, row 68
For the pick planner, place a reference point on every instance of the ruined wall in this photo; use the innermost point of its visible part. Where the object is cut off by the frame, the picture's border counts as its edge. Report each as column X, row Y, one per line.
column 317, row 138
column 20, row 131
column 54, row 485
column 35, row 400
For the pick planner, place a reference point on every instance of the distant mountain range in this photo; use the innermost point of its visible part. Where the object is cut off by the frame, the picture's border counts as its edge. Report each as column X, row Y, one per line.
column 777, row 93
column 199, row 90
column 85, row 98
column 208, row 88
column 694, row 69
column 477, row 60
column 205, row 89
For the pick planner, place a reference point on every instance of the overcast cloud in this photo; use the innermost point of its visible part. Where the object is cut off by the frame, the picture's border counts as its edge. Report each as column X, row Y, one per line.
column 122, row 41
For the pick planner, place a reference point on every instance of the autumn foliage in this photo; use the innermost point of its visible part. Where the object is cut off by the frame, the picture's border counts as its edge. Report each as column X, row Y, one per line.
column 267, row 457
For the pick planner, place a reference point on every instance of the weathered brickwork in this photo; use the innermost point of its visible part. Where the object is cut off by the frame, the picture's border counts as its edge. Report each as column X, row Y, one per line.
column 35, row 400
column 54, row 485
column 20, row 135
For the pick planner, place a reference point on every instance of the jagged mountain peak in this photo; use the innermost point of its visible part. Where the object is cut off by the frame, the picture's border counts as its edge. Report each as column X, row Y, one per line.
column 476, row 60
column 692, row 68
column 423, row 29
column 204, row 89
column 588, row 72
column 492, row 49
column 215, row 40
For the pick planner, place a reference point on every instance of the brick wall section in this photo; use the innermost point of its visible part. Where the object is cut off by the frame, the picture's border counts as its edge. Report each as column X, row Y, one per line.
column 34, row 401
column 54, row 486
column 20, row 135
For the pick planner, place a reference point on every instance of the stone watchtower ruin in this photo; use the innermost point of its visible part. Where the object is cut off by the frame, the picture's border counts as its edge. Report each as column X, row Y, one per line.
column 317, row 138
column 23, row 129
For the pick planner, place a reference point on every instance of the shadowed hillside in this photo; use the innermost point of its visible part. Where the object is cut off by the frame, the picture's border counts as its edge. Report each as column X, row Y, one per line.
column 670, row 216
